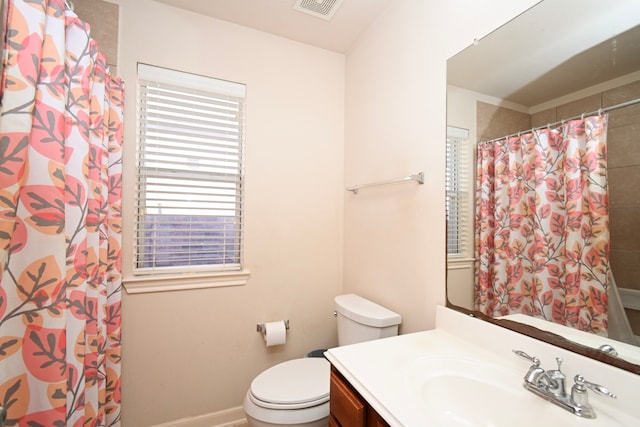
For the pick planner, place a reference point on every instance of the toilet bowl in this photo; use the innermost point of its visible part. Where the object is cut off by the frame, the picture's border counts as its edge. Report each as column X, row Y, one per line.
column 292, row 393
column 295, row 393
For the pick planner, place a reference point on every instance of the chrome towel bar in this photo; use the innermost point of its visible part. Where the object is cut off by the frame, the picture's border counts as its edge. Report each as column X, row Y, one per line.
column 419, row 178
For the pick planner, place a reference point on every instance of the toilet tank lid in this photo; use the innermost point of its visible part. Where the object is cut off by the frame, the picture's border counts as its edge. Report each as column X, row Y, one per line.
column 366, row 312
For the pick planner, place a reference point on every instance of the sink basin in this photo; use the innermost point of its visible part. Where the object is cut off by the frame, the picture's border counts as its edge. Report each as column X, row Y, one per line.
column 457, row 392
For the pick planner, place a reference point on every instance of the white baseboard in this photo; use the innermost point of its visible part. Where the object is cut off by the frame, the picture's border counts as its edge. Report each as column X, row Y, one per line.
column 630, row 298
column 233, row 417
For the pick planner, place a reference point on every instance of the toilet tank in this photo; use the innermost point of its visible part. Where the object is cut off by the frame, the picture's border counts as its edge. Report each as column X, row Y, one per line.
column 362, row 320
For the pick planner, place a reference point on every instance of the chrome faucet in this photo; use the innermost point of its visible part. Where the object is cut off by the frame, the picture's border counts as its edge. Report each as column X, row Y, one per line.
column 551, row 386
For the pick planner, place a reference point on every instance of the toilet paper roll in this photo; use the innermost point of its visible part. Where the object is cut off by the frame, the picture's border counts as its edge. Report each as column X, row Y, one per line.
column 275, row 333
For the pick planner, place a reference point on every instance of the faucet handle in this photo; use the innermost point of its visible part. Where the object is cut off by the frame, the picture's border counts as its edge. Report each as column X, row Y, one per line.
column 559, row 361
column 601, row 390
column 525, row 356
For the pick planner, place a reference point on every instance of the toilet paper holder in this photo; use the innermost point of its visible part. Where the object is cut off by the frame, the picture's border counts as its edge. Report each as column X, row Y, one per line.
column 261, row 328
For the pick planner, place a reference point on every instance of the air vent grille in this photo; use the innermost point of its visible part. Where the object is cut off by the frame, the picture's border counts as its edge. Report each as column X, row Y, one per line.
column 324, row 9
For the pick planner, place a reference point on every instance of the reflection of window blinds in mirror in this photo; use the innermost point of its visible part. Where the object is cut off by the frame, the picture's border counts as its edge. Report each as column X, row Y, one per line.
column 458, row 202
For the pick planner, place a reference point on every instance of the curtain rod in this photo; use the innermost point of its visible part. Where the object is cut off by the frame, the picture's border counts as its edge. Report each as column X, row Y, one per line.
column 592, row 113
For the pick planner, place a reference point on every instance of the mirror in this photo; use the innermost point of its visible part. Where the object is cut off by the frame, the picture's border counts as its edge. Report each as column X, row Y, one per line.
column 555, row 61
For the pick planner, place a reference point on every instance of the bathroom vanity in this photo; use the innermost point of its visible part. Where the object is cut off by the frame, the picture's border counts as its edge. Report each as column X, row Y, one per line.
column 348, row 408
column 465, row 373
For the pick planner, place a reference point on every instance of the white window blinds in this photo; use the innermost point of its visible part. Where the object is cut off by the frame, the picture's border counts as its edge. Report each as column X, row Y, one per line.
column 458, row 203
column 189, row 172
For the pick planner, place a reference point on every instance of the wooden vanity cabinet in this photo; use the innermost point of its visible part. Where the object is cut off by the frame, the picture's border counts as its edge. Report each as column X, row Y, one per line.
column 347, row 408
column 374, row 419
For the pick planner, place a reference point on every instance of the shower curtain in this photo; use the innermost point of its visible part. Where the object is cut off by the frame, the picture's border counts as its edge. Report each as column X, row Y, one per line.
column 542, row 225
column 61, row 121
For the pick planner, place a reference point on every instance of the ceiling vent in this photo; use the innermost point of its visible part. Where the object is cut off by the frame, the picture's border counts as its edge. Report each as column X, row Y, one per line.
column 323, row 9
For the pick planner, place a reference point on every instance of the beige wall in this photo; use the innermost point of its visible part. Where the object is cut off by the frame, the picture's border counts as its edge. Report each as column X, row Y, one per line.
column 194, row 352
column 394, row 247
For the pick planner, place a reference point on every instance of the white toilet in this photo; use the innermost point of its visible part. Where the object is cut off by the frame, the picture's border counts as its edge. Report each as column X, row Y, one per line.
column 296, row 393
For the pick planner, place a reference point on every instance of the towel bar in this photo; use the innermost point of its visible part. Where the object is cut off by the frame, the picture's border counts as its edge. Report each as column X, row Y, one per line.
column 419, row 178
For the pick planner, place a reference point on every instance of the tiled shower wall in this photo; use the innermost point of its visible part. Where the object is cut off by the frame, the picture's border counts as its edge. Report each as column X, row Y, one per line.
column 494, row 122
column 103, row 19
column 623, row 168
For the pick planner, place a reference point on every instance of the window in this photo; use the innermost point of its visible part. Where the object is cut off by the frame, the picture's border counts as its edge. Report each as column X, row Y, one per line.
column 458, row 203
column 189, row 173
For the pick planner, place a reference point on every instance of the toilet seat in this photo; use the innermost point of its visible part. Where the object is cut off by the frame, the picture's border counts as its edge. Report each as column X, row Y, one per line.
column 294, row 384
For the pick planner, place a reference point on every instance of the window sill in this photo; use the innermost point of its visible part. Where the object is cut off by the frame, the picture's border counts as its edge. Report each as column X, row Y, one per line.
column 459, row 263
column 181, row 282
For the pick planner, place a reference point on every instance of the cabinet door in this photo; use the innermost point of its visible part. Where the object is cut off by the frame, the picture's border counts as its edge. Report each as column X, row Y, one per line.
column 333, row 422
column 347, row 408
column 374, row 419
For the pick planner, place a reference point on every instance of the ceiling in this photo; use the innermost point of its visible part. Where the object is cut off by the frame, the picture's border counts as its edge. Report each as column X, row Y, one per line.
column 278, row 17
column 542, row 55
column 551, row 66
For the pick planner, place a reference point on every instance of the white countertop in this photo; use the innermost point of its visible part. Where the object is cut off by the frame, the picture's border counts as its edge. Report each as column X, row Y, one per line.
column 382, row 371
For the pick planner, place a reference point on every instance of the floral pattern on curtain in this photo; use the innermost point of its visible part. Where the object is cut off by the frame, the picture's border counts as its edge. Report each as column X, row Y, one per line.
column 61, row 123
column 542, row 225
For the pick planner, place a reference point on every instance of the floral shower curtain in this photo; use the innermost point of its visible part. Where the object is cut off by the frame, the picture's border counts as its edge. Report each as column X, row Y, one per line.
column 60, row 183
column 542, row 225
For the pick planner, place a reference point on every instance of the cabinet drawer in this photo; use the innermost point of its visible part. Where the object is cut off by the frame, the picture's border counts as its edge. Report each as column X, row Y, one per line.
column 347, row 407
column 374, row 419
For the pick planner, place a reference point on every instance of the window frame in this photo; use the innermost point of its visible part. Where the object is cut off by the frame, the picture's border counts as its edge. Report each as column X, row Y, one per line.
column 458, row 142
column 188, row 276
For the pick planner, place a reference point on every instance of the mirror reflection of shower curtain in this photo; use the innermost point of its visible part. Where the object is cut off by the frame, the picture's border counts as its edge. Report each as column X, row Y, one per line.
column 542, row 225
